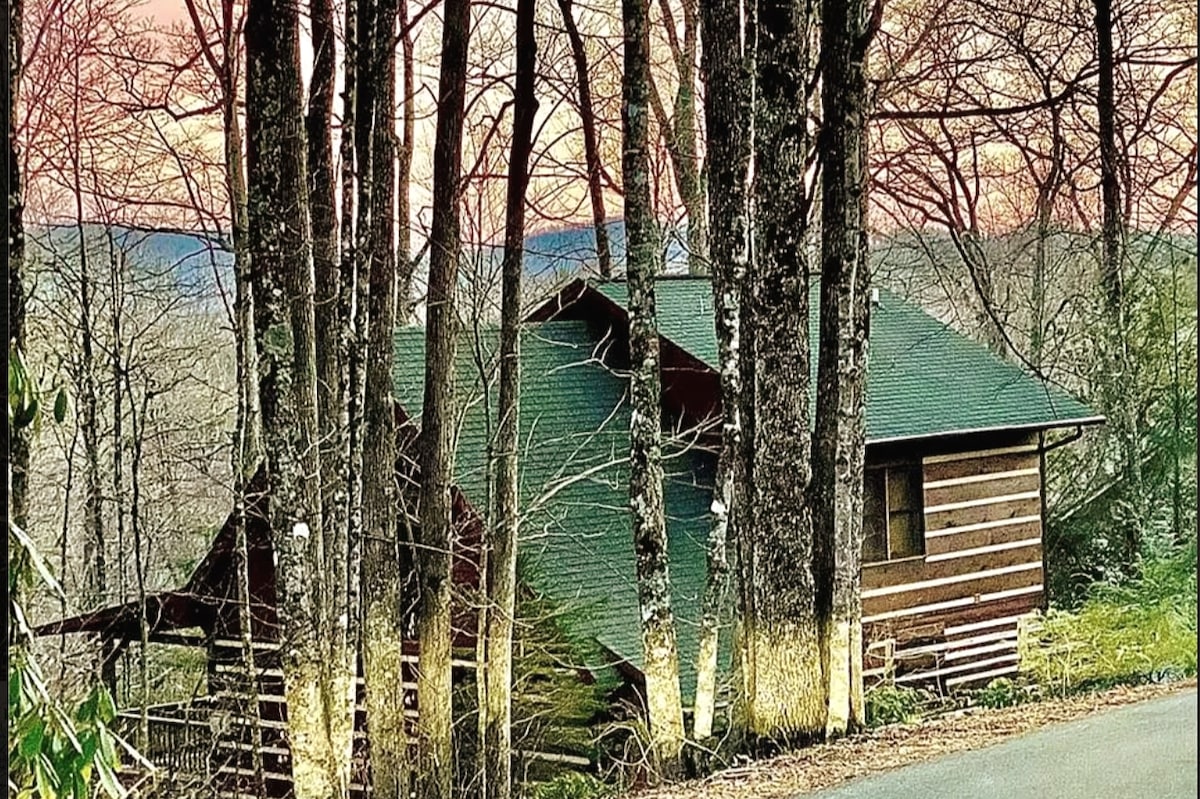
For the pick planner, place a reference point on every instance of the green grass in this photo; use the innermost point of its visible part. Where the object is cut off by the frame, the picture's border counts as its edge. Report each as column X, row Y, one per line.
column 1142, row 630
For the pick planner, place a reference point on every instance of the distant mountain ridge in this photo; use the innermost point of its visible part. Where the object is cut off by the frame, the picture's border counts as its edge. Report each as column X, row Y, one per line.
column 202, row 261
column 192, row 262
column 204, row 264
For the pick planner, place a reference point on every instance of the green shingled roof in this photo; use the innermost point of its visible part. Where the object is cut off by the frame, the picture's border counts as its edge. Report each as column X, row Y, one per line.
column 923, row 378
column 575, row 537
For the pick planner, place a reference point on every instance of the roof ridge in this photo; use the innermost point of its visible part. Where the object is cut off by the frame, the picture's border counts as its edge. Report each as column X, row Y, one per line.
column 679, row 277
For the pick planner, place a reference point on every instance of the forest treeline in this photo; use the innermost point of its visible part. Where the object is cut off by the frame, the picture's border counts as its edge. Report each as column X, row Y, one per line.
column 1027, row 171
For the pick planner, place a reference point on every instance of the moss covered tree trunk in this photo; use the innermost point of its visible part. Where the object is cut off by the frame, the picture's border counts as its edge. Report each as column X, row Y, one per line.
column 437, row 418
column 786, row 703
column 324, row 228
column 502, row 550
column 337, row 633
column 839, row 437
column 727, row 116
column 660, row 656
column 18, row 440
column 248, row 446
column 284, row 330
column 743, row 492
column 382, row 634
column 249, row 420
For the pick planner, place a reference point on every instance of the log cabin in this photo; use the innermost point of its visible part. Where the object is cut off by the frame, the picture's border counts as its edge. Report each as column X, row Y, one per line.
column 954, row 479
column 954, row 504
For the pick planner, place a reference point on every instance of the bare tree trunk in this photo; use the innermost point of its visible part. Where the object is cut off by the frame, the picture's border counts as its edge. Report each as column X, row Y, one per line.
column 660, row 655
column 282, row 280
column 339, row 594
column 1120, row 366
column 249, row 419
column 17, row 450
column 787, row 705
column 138, row 423
column 502, row 561
column 324, row 232
column 1047, row 194
column 356, row 259
column 349, row 352
column 681, row 131
column 350, row 344
column 839, row 443
column 727, row 112
column 382, row 633
column 744, row 493
column 591, row 146
column 93, row 507
column 116, row 294
column 437, row 421
column 342, row 662
column 18, row 440
column 1110, row 186
column 405, row 265
column 248, row 444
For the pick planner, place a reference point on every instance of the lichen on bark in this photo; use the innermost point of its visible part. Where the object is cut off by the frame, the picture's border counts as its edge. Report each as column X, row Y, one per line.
column 660, row 657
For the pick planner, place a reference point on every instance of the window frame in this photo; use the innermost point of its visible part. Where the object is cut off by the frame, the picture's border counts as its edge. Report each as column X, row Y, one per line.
column 911, row 469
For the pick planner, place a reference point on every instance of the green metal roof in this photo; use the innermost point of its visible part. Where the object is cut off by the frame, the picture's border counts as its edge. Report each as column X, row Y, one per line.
column 923, row 378
column 576, row 544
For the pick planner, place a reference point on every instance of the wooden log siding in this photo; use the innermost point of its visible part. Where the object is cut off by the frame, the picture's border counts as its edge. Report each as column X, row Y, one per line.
column 950, row 617
column 230, row 757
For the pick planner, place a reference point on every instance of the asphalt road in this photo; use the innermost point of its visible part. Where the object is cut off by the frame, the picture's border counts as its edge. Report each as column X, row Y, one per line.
column 1140, row 751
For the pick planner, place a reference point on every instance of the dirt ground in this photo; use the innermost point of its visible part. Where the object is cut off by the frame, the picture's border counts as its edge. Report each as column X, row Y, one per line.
column 898, row 745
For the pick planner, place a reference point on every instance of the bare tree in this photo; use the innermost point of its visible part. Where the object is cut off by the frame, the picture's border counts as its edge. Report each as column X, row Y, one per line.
column 725, row 63
column 680, row 130
column 382, row 633
column 1112, row 279
column 501, row 574
column 17, row 453
column 338, row 596
column 95, row 547
column 786, row 701
column 281, row 260
column 587, row 118
column 323, row 226
column 437, row 432
column 405, row 263
column 839, row 439
column 225, row 64
column 660, row 654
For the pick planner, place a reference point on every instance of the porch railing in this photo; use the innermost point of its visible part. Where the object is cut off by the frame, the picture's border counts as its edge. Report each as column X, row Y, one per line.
column 180, row 736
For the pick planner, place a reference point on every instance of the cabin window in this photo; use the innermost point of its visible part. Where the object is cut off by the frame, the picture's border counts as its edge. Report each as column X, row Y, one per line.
column 892, row 513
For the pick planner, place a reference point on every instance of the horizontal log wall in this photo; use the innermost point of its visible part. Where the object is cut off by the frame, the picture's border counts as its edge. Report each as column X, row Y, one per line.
column 950, row 617
column 231, row 762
